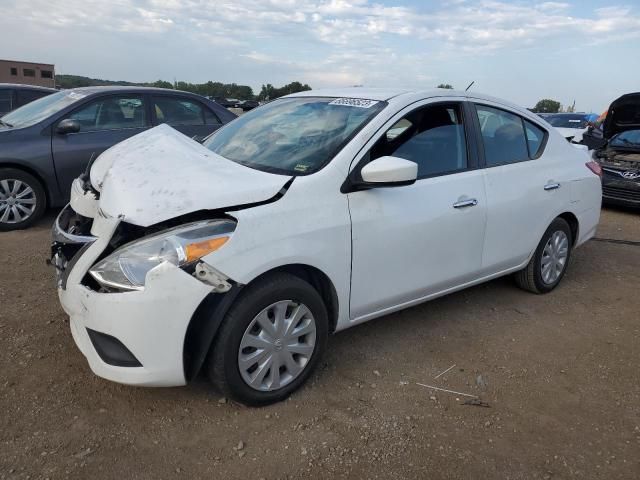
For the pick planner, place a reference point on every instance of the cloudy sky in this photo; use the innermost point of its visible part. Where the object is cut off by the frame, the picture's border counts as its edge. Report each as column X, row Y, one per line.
column 582, row 50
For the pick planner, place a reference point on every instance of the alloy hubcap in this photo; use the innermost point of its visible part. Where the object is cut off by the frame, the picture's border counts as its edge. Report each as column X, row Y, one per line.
column 554, row 257
column 277, row 345
column 17, row 201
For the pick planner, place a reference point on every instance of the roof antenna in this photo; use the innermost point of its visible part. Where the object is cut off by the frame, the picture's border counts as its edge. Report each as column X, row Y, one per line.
column 467, row 89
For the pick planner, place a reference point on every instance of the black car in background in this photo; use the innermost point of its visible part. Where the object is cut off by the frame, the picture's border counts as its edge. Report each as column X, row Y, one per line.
column 46, row 144
column 248, row 105
column 617, row 150
column 226, row 102
column 13, row 96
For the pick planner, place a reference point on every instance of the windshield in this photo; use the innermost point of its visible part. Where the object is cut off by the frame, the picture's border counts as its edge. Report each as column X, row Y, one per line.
column 293, row 136
column 567, row 121
column 628, row 139
column 38, row 110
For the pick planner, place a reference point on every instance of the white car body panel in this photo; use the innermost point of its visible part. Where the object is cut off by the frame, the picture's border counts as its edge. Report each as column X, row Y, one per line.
column 382, row 249
column 161, row 174
column 410, row 242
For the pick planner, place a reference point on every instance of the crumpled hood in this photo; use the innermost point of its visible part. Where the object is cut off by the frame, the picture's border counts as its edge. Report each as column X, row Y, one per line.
column 161, row 174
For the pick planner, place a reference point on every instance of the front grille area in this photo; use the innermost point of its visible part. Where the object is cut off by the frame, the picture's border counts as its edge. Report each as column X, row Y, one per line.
column 621, row 193
column 70, row 235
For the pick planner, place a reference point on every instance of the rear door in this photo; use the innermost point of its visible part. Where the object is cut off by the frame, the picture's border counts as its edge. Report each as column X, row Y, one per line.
column 104, row 121
column 185, row 114
column 522, row 186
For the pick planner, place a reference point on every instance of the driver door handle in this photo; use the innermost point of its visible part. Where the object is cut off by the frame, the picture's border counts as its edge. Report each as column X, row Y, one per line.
column 472, row 202
column 552, row 186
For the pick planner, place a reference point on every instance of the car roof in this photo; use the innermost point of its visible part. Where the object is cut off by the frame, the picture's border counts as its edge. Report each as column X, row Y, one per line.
column 124, row 88
column 27, row 87
column 386, row 94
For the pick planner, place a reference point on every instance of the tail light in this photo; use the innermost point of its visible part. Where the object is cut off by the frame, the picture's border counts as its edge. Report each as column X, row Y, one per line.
column 594, row 167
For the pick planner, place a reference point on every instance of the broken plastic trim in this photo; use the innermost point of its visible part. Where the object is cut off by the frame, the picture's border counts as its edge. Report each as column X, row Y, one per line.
column 209, row 275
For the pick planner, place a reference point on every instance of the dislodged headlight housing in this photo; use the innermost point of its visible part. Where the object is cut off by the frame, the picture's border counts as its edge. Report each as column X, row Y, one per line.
column 127, row 267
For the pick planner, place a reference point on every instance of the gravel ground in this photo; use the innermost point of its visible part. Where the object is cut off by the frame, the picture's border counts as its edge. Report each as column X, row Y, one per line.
column 559, row 372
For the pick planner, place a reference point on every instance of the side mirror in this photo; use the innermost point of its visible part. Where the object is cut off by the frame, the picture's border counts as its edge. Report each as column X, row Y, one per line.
column 389, row 172
column 67, row 126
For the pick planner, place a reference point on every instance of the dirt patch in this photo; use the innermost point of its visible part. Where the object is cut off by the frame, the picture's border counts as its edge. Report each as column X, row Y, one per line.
column 560, row 373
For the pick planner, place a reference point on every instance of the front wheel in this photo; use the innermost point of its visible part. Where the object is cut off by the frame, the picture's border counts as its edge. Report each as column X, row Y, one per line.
column 22, row 199
column 549, row 262
column 270, row 340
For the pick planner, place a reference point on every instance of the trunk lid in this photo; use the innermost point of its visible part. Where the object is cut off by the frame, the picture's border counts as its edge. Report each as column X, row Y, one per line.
column 623, row 114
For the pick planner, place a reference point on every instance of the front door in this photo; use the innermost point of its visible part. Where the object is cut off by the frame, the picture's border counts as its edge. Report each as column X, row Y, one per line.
column 413, row 241
column 104, row 122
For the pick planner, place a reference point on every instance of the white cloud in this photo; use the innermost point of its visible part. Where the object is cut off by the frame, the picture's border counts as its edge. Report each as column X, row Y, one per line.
column 322, row 42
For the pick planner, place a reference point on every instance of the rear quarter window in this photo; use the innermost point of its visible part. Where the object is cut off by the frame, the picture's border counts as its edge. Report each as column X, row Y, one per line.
column 536, row 137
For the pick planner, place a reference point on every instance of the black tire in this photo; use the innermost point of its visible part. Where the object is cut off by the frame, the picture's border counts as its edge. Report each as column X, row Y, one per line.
column 9, row 174
column 530, row 277
column 223, row 357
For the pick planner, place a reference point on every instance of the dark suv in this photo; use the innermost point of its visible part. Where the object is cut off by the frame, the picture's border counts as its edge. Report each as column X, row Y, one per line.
column 46, row 144
column 617, row 150
column 13, row 96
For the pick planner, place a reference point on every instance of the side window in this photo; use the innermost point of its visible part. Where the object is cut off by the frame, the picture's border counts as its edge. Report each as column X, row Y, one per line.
column 6, row 101
column 111, row 113
column 178, row 111
column 432, row 136
column 535, row 138
column 503, row 136
column 27, row 96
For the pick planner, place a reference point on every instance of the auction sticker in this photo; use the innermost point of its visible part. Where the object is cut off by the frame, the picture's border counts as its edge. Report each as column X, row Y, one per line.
column 354, row 102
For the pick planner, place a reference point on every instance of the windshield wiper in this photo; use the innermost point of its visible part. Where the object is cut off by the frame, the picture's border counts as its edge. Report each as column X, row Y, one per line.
column 5, row 124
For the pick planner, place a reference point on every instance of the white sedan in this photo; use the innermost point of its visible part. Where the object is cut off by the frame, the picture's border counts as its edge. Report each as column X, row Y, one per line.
column 303, row 217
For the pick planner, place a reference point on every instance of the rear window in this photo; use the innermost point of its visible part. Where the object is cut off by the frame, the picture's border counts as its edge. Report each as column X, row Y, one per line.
column 503, row 136
column 535, row 138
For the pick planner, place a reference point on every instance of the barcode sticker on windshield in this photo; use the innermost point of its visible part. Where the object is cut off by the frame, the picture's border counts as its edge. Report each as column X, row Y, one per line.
column 354, row 102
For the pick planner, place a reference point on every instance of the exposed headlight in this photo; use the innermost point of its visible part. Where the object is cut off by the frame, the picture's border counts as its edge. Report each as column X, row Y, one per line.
column 127, row 267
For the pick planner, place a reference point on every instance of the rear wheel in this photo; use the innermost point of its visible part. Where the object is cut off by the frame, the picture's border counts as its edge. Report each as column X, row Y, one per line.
column 549, row 263
column 22, row 199
column 270, row 341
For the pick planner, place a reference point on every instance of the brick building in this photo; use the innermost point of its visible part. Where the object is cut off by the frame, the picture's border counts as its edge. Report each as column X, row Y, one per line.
column 27, row 73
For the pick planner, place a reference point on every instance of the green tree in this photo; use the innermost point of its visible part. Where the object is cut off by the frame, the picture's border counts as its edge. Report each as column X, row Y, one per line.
column 547, row 105
column 448, row 86
column 208, row 89
column 162, row 84
column 269, row 92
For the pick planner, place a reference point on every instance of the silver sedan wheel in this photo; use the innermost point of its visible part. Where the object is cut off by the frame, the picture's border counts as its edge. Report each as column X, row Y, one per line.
column 277, row 345
column 17, row 201
column 554, row 257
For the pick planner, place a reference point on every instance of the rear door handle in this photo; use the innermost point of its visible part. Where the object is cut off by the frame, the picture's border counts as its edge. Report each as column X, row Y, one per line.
column 552, row 186
column 472, row 202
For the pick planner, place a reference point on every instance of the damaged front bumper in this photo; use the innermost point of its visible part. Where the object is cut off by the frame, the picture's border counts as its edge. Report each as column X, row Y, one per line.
column 134, row 337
